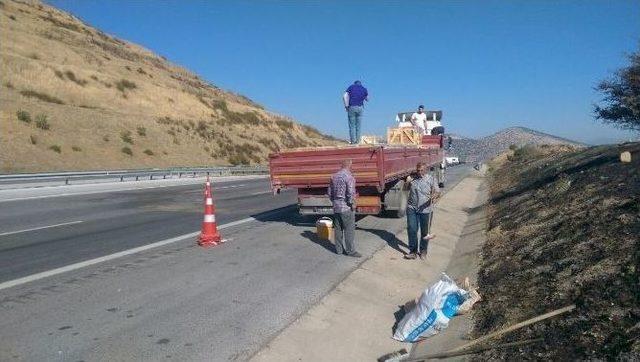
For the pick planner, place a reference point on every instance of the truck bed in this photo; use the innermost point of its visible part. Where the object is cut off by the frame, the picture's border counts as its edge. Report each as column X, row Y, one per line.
column 373, row 165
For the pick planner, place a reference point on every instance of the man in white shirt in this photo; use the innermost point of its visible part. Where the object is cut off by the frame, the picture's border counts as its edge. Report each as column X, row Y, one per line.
column 419, row 120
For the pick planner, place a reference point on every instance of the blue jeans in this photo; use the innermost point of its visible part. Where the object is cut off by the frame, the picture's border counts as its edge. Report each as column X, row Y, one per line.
column 414, row 221
column 355, row 116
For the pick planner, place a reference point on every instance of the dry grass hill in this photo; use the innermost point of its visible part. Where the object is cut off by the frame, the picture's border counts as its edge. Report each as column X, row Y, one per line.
column 485, row 148
column 75, row 98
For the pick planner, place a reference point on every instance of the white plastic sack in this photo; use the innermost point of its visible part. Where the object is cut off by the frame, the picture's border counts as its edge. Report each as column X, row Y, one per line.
column 437, row 305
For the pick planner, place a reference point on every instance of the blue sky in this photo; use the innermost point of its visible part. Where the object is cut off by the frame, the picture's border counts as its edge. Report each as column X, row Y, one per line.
column 487, row 64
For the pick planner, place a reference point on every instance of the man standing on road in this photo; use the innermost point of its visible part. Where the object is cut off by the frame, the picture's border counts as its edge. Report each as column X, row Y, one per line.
column 342, row 193
column 423, row 192
column 354, row 98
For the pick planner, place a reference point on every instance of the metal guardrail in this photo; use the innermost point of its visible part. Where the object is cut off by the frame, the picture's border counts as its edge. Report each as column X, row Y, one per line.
column 130, row 175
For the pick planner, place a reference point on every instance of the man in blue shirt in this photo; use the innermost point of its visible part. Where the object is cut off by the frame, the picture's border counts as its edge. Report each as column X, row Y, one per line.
column 354, row 98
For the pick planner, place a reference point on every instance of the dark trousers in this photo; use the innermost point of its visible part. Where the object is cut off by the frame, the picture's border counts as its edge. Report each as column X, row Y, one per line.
column 417, row 221
column 345, row 229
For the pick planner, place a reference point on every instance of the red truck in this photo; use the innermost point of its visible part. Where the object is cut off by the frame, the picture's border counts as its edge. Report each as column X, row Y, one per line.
column 379, row 170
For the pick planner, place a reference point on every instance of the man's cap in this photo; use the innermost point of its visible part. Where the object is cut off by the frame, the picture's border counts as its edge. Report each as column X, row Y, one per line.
column 357, row 82
column 421, row 107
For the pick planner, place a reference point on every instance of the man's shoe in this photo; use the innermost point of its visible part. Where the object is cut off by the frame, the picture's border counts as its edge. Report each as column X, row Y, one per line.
column 423, row 255
column 355, row 254
column 410, row 256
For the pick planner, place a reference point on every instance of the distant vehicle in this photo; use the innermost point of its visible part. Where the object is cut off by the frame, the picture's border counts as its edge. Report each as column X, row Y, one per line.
column 452, row 160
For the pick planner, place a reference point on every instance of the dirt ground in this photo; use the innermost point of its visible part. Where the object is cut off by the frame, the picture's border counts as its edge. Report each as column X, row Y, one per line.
column 563, row 228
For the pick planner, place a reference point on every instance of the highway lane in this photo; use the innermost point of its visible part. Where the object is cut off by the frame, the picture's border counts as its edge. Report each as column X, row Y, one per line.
column 71, row 229
column 183, row 302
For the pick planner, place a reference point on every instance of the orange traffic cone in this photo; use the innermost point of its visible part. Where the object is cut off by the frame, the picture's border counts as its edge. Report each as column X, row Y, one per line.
column 209, row 235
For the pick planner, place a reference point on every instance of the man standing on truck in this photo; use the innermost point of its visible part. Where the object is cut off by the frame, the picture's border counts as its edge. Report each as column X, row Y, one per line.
column 419, row 120
column 354, row 98
column 423, row 192
column 342, row 193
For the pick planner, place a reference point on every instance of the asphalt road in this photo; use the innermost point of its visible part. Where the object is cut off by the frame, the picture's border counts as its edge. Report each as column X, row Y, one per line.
column 175, row 302
column 94, row 225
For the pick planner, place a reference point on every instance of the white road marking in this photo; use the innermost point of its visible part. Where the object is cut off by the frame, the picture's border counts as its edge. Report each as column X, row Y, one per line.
column 261, row 193
column 118, row 190
column 40, row 228
column 64, row 269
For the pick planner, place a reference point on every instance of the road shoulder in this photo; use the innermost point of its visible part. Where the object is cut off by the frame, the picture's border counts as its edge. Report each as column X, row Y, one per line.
column 355, row 320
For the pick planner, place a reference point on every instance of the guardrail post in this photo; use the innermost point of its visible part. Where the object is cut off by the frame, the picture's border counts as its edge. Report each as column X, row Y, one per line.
column 137, row 177
column 150, row 177
column 164, row 176
column 121, row 178
column 66, row 181
column 194, row 174
column 180, row 175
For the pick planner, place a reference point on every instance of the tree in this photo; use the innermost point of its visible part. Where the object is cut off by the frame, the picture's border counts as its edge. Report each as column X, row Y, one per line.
column 621, row 101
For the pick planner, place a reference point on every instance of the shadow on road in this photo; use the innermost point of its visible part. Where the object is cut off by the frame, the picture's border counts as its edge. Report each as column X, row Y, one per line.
column 313, row 237
column 389, row 237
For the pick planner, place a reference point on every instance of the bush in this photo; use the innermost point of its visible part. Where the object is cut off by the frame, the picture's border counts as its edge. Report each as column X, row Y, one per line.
column 171, row 132
column 219, row 104
column 148, row 152
column 105, row 138
column 127, row 151
column 59, row 74
column 513, row 147
column 42, row 122
column 8, row 85
column 124, row 84
column 23, row 116
column 34, row 56
column 141, row 71
column 126, row 137
column 33, row 139
column 41, row 96
column 72, row 77
column 76, row 148
column 284, row 124
column 55, row 148
column 142, row 131
column 94, row 77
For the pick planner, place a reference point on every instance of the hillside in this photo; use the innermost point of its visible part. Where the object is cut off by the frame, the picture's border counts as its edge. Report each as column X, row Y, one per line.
column 485, row 148
column 75, row 98
column 563, row 228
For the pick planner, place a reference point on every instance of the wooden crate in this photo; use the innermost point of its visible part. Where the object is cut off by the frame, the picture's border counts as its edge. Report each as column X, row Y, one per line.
column 403, row 136
column 370, row 140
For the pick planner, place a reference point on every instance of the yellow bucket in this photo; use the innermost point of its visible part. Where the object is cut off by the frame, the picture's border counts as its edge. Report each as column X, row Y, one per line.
column 324, row 228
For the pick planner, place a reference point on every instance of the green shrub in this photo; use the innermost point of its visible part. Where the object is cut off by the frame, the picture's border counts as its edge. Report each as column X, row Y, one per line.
column 171, row 132
column 94, row 77
column 59, row 74
column 219, row 104
column 12, row 17
column 141, row 71
column 513, row 147
column 284, row 124
column 142, row 131
column 105, row 138
column 165, row 153
column 76, row 148
column 33, row 139
column 8, row 85
column 124, row 84
column 55, row 148
column 41, row 96
column 148, row 152
column 72, row 77
column 23, row 116
column 127, row 151
column 126, row 137
column 42, row 122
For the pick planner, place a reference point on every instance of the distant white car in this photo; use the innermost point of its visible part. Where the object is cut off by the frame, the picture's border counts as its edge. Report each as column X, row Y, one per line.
column 452, row 160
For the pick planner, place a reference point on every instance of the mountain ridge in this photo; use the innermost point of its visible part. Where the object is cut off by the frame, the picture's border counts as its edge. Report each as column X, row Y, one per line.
column 484, row 148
